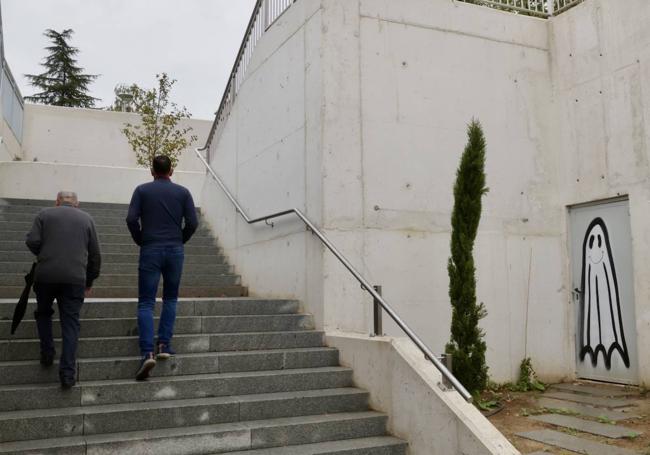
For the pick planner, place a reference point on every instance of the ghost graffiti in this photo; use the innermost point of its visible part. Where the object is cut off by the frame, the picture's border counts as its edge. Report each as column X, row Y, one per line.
column 602, row 322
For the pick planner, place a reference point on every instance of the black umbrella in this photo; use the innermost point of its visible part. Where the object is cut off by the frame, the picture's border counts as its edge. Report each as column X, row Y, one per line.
column 21, row 307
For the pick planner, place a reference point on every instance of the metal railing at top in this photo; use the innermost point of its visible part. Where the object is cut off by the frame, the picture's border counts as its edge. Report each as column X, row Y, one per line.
column 540, row 8
column 12, row 102
column 365, row 284
column 265, row 13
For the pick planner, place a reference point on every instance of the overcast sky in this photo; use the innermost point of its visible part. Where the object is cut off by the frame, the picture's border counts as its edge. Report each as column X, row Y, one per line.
column 126, row 41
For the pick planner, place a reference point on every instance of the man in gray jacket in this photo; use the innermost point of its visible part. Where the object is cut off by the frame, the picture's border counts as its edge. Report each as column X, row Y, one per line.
column 65, row 241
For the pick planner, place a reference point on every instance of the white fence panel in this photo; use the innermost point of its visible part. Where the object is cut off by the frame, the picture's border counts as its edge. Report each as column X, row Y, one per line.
column 12, row 103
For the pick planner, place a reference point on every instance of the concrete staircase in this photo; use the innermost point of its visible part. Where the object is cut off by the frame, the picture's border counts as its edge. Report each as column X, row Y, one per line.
column 252, row 376
column 206, row 272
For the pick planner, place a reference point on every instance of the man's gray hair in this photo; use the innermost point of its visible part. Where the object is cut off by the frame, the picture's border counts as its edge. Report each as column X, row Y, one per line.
column 67, row 196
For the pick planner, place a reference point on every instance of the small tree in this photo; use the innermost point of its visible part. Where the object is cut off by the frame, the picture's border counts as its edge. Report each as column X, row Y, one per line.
column 466, row 345
column 63, row 83
column 157, row 133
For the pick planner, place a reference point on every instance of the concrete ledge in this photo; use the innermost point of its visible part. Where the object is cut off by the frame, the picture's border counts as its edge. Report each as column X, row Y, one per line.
column 405, row 386
column 42, row 180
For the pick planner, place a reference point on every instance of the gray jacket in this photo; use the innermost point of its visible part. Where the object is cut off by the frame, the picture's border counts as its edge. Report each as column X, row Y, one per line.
column 64, row 239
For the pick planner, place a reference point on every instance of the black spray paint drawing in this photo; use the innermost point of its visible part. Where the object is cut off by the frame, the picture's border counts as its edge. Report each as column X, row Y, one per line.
column 602, row 322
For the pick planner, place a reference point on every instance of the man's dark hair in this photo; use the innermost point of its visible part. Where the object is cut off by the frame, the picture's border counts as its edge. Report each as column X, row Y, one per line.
column 161, row 165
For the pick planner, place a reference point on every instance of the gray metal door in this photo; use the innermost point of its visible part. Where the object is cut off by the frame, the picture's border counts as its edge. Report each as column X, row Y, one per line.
column 603, row 292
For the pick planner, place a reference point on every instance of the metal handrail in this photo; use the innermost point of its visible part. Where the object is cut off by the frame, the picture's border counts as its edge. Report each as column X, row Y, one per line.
column 365, row 285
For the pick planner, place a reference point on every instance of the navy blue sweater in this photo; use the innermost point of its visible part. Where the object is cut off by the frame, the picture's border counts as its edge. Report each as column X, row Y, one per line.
column 157, row 211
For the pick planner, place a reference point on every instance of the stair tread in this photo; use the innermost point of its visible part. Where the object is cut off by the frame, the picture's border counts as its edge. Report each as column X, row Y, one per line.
column 172, row 404
column 326, row 447
column 182, row 335
column 180, row 300
column 184, row 355
column 199, row 316
column 173, row 379
column 186, row 431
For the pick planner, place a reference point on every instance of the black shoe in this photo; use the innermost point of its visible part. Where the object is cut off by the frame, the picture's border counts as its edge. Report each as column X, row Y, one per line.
column 47, row 359
column 148, row 363
column 67, row 384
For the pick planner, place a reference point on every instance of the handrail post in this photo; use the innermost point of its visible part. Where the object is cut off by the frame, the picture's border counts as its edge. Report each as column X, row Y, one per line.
column 378, row 329
column 447, row 360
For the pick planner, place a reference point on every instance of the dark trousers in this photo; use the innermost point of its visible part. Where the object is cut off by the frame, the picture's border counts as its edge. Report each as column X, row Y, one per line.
column 69, row 297
column 154, row 262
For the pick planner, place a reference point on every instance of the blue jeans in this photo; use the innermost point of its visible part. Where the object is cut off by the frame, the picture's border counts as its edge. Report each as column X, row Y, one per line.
column 69, row 297
column 155, row 261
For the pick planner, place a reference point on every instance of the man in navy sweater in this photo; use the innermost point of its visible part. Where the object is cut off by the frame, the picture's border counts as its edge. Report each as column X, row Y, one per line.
column 155, row 220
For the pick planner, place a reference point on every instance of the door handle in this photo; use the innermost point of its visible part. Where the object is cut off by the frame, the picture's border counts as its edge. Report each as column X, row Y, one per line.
column 576, row 293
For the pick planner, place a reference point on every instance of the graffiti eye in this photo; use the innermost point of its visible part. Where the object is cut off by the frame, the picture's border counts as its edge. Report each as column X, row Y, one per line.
column 591, row 241
column 600, row 241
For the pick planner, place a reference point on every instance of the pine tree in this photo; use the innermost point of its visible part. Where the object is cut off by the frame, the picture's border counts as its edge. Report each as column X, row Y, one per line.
column 63, row 83
column 467, row 346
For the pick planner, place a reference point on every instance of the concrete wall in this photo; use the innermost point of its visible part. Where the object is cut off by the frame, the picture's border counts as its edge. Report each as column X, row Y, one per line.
column 408, row 389
column 90, row 136
column 269, row 155
column 601, row 81
column 85, row 151
column 355, row 110
column 418, row 72
column 41, row 180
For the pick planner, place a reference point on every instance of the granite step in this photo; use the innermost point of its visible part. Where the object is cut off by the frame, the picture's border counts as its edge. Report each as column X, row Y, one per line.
column 378, row 445
column 25, row 256
column 107, row 327
column 99, row 219
column 50, row 202
column 573, row 443
column 587, row 426
column 110, row 268
column 106, row 238
column 13, row 292
column 117, row 213
column 109, row 368
column 12, row 350
column 123, row 308
column 130, row 280
column 348, row 433
column 114, row 248
column 119, row 228
column 92, row 393
column 115, row 418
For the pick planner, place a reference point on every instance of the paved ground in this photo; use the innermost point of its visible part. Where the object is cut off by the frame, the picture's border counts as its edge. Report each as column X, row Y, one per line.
column 580, row 417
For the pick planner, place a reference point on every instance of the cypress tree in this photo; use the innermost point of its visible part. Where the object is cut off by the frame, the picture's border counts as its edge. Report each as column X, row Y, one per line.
column 63, row 82
column 466, row 345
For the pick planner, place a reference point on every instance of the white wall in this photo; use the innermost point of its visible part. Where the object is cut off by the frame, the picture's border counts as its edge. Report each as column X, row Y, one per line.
column 408, row 389
column 419, row 71
column 90, row 136
column 601, row 81
column 40, row 180
column 269, row 155
column 356, row 111
column 84, row 150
